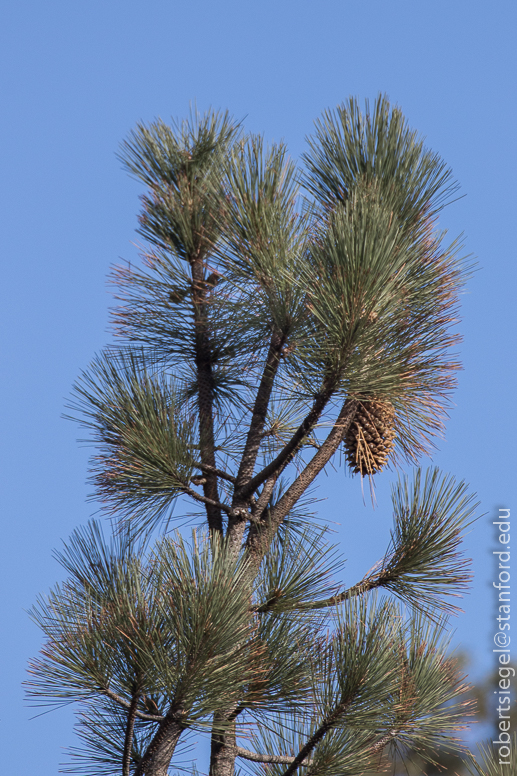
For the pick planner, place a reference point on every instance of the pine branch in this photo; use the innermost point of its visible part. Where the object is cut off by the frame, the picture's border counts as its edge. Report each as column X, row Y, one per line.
column 257, row 757
column 139, row 714
column 128, row 740
column 265, row 495
column 389, row 678
column 379, row 745
column 208, row 501
column 286, row 455
column 237, row 523
column 218, row 472
column 327, row 724
column 272, row 472
column 183, row 168
column 298, row 568
column 365, row 586
column 158, row 754
column 373, row 748
column 260, row 409
column 259, row 537
column 422, row 563
column 203, row 358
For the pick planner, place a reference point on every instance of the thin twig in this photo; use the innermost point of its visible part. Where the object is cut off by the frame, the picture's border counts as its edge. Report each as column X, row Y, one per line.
column 260, row 409
column 260, row 537
column 213, row 470
column 364, row 586
column 208, row 501
column 265, row 495
column 316, row 737
column 286, row 455
column 205, row 386
column 257, row 757
column 128, row 741
column 140, row 714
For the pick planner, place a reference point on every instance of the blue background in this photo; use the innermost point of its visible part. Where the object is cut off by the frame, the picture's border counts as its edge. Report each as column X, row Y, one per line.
column 76, row 77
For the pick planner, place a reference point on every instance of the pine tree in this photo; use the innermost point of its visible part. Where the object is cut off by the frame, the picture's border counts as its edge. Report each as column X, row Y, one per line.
column 283, row 320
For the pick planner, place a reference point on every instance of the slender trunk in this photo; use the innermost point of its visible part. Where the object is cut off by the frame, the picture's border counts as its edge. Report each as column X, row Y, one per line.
column 237, row 522
column 205, row 394
column 223, row 746
column 128, row 742
column 260, row 536
column 272, row 471
column 223, row 753
column 289, row 451
column 314, row 740
column 258, row 418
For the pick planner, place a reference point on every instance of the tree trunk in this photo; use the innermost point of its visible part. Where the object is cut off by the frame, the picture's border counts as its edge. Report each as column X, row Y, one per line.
column 159, row 753
column 223, row 751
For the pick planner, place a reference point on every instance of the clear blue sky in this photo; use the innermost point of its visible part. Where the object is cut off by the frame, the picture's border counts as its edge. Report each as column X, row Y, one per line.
column 76, row 76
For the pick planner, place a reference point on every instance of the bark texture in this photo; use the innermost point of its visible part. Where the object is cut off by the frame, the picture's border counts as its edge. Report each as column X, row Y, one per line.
column 159, row 753
column 261, row 534
column 223, row 745
column 128, row 742
column 203, row 360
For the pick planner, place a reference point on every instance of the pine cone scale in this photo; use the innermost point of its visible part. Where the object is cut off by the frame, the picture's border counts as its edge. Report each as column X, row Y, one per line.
column 370, row 438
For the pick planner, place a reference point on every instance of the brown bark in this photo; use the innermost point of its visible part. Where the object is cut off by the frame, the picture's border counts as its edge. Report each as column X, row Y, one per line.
column 272, row 471
column 258, row 757
column 203, row 360
column 287, row 453
column 128, row 741
column 261, row 534
column 258, row 418
column 157, row 758
column 223, row 746
column 237, row 521
column 364, row 586
column 314, row 740
column 223, row 753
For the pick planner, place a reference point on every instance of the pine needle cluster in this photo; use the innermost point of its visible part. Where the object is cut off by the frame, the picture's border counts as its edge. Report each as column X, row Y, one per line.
column 273, row 305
